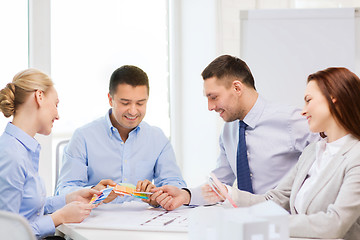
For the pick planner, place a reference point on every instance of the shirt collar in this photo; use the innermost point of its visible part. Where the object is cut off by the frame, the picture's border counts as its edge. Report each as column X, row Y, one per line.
column 24, row 138
column 111, row 128
column 320, row 147
column 332, row 147
column 253, row 116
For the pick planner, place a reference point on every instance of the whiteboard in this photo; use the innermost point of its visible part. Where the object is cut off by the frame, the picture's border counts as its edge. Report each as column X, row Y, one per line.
column 282, row 47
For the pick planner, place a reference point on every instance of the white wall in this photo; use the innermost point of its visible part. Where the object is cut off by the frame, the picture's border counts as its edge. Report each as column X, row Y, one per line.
column 39, row 57
column 194, row 130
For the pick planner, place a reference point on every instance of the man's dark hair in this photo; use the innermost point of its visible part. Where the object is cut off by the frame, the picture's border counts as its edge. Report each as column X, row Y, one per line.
column 229, row 66
column 130, row 75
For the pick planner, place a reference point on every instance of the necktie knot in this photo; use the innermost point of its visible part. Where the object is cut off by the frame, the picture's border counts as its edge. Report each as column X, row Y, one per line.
column 242, row 124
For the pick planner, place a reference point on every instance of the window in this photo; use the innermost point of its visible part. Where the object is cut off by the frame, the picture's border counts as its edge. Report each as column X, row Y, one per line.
column 13, row 43
column 94, row 39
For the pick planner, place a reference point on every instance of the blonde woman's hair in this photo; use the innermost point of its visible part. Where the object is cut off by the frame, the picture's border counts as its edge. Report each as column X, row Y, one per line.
column 24, row 83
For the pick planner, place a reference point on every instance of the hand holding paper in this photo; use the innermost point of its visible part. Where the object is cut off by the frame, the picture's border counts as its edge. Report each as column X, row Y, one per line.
column 130, row 190
column 104, row 184
column 145, row 187
column 83, row 195
column 104, row 194
column 119, row 189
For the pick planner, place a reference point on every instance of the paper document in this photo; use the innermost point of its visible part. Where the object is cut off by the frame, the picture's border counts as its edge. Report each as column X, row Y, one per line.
column 136, row 216
column 120, row 188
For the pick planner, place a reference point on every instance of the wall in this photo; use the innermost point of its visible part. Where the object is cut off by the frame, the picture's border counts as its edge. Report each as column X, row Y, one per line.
column 39, row 57
column 194, row 130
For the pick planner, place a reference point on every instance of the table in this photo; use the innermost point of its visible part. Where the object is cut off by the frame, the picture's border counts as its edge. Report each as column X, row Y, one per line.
column 96, row 234
column 126, row 221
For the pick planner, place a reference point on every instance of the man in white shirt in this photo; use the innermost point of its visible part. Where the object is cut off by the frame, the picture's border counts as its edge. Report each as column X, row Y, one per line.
column 275, row 134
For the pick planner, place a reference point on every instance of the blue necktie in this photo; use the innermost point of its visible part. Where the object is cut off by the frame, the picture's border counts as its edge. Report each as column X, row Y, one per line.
column 243, row 171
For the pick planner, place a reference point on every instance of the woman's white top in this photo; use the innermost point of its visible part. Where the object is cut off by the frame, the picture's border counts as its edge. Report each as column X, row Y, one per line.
column 324, row 153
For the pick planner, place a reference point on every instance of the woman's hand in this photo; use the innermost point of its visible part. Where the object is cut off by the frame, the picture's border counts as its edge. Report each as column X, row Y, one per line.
column 74, row 212
column 83, row 195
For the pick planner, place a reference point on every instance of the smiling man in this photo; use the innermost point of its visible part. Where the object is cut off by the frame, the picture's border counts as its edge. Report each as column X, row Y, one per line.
column 260, row 140
column 120, row 146
column 275, row 135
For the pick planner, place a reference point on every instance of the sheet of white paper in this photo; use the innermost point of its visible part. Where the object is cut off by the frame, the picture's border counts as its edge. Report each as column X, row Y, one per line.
column 136, row 216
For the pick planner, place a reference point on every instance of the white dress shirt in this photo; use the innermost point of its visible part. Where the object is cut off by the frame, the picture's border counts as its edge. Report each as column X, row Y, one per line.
column 324, row 154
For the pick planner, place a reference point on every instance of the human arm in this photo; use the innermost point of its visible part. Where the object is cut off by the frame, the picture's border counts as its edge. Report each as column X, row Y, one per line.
column 24, row 194
column 280, row 195
column 74, row 212
column 227, row 156
column 170, row 197
column 218, row 192
column 166, row 170
column 77, row 206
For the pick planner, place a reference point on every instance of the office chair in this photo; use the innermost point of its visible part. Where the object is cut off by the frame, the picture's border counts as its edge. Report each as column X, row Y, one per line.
column 59, row 154
column 14, row 226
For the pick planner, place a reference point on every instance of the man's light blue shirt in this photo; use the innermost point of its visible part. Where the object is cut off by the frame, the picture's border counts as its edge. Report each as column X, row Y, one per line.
column 275, row 138
column 22, row 190
column 96, row 151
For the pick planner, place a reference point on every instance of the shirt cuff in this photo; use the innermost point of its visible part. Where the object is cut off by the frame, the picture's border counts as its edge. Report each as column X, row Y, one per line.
column 185, row 189
column 196, row 196
column 46, row 226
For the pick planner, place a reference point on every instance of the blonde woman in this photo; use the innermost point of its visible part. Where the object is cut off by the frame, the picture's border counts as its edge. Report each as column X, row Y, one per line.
column 32, row 101
column 322, row 191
